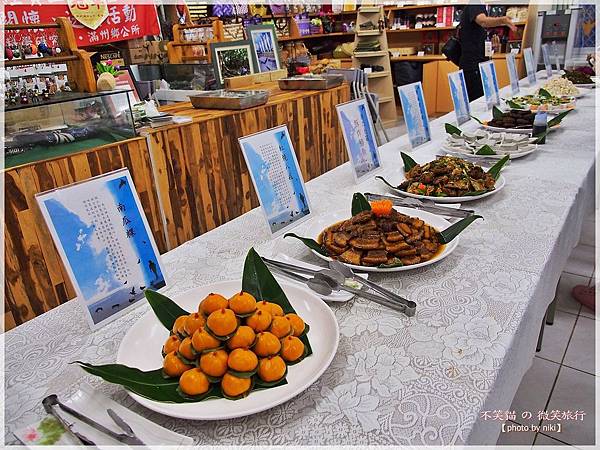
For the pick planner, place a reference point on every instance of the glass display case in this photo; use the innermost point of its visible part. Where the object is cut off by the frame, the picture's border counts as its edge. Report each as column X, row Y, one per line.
column 67, row 122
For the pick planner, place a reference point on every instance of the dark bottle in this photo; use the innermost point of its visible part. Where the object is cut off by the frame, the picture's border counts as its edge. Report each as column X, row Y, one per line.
column 540, row 126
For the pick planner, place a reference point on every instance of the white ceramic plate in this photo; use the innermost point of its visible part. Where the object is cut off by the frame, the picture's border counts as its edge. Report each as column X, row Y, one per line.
column 339, row 296
column 513, row 155
column 318, row 224
column 499, row 185
column 141, row 348
column 586, row 85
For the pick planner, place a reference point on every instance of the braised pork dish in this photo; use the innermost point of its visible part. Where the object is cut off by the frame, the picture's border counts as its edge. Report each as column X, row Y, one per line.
column 381, row 238
column 447, row 176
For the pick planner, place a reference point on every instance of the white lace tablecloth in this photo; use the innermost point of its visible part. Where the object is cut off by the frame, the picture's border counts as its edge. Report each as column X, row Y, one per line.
column 394, row 380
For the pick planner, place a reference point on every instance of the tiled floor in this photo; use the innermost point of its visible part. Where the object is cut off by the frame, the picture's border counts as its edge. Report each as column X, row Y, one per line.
column 562, row 375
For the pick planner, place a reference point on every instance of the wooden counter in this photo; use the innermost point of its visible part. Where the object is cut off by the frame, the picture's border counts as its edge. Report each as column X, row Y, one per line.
column 195, row 162
column 190, row 178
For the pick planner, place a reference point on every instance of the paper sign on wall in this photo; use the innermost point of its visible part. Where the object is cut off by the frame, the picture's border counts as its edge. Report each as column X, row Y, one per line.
column 460, row 97
column 359, row 136
column 513, row 75
column 415, row 113
column 490, row 83
column 276, row 177
column 546, row 57
column 530, row 66
column 103, row 238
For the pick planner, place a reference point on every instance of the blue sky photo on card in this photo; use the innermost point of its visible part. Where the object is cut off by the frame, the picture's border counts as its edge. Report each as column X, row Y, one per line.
column 278, row 180
column 106, row 243
column 359, row 137
column 415, row 114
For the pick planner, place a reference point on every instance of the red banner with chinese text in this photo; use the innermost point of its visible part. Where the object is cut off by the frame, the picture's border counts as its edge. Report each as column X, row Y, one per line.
column 124, row 21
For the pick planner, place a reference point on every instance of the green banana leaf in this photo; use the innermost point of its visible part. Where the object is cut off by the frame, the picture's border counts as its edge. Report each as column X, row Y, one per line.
column 558, row 118
column 541, row 137
column 514, row 105
column 485, row 150
column 409, row 163
column 446, row 236
column 310, row 243
column 451, row 129
column 497, row 112
column 359, row 204
column 257, row 280
column 544, row 93
column 480, row 122
column 495, row 169
column 387, row 182
column 166, row 310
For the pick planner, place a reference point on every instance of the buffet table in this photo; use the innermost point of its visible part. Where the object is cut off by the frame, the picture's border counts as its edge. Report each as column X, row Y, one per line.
column 395, row 379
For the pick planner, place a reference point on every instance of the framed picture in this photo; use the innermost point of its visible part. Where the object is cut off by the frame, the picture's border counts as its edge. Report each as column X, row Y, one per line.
column 415, row 113
column 104, row 240
column 277, row 179
column 232, row 59
column 359, row 137
column 265, row 49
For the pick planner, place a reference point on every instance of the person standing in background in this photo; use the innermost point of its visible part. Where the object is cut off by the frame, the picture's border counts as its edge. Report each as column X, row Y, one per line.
column 473, row 22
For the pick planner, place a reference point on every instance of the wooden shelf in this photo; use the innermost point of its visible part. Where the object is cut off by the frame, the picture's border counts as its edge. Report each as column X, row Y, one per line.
column 383, row 73
column 386, row 99
column 369, row 9
column 370, row 54
column 409, row 7
column 368, row 32
column 408, row 30
column 418, row 58
column 313, row 36
column 290, row 15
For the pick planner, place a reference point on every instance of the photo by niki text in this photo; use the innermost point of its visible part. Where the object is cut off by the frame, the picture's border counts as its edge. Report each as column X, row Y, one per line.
column 540, row 421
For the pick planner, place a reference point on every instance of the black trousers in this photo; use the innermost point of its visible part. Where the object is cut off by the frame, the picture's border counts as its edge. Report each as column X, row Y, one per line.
column 473, row 83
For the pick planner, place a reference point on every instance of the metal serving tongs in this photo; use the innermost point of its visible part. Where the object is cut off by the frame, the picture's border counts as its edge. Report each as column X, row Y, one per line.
column 128, row 437
column 423, row 205
column 474, row 159
column 327, row 280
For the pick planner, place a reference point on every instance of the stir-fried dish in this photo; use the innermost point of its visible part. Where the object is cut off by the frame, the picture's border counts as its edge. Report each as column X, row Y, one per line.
column 381, row 237
column 447, row 176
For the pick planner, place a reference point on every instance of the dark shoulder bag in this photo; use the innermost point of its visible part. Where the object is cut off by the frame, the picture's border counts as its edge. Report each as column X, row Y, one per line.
column 452, row 49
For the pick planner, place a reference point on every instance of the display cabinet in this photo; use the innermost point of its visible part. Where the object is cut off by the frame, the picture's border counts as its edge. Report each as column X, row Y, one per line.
column 68, row 122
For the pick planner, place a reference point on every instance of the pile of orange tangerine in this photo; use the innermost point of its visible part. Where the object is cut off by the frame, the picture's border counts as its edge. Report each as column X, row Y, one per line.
column 230, row 341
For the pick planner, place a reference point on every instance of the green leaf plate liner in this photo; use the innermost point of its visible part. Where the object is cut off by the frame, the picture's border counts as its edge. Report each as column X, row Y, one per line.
column 359, row 204
column 310, row 243
column 544, row 93
column 446, row 236
column 451, row 129
column 268, row 384
column 486, row 150
column 257, row 280
column 409, row 163
column 497, row 112
column 558, row 118
column 496, row 168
